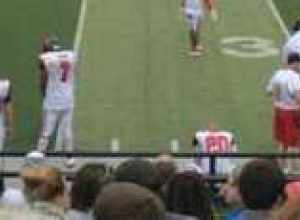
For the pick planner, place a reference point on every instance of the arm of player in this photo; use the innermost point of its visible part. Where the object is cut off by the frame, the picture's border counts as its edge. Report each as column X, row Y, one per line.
column 212, row 9
column 233, row 145
column 182, row 3
column 8, row 113
column 195, row 142
column 43, row 79
column 182, row 7
column 210, row 5
column 297, row 96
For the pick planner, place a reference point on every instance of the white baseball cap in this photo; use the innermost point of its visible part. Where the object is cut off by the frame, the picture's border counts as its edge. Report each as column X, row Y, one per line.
column 34, row 159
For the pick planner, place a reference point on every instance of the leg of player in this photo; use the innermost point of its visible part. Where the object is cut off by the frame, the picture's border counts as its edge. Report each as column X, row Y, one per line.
column 68, row 137
column 49, row 121
column 194, row 41
column 59, row 141
column 65, row 131
column 195, row 46
column 198, row 46
column 2, row 132
column 198, row 31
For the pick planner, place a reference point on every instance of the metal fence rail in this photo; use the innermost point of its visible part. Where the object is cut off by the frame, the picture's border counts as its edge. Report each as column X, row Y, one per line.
column 90, row 154
column 213, row 178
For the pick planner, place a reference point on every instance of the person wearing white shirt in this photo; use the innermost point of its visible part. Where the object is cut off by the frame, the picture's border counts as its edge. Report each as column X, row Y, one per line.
column 57, row 82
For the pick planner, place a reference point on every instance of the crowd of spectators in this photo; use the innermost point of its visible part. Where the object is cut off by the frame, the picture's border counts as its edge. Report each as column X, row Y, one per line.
column 140, row 189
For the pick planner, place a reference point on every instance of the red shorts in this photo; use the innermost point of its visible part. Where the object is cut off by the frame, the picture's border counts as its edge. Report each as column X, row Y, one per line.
column 286, row 127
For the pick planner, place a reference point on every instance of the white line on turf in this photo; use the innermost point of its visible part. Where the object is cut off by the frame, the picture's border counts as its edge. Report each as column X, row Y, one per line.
column 115, row 145
column 80, row 25
column 278, row 18
column 174, row 146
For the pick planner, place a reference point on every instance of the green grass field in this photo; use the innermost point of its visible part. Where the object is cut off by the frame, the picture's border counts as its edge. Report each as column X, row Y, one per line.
column 136, row 83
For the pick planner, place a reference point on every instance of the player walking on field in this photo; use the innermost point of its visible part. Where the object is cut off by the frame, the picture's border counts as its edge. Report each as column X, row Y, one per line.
column 5, row 111
column 213, row 140
column 194, row 11
column 57, row 79
column 285, row 89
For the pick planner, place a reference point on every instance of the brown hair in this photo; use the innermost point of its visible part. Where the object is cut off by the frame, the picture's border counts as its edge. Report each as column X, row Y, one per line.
column 45, row 183
column 128, row 201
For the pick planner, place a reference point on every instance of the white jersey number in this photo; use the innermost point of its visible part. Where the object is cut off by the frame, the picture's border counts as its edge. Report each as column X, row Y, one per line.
column 248, row 47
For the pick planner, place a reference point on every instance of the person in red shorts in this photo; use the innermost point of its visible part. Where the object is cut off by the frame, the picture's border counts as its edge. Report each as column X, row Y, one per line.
column 284, row 87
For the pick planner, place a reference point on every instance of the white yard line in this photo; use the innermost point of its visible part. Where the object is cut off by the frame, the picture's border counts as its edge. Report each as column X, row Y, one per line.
column 278, row 18
column 175, row 146
column 115, row 145
column 80, row 25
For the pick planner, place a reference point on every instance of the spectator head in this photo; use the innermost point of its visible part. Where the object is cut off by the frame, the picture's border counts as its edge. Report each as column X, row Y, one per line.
column 166, row 167
column 128, row 201
column 188, row 194
column 229, row 191
column 261, row 184
column 138, row 171
column 35, row 159
column 43, row 183
column 87, row 184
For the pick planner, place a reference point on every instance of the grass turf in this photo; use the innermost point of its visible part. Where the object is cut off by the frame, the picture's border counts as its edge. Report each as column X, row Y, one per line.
column 138, row 85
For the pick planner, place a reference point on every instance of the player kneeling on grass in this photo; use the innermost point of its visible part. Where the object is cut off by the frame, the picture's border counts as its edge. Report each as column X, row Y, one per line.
column 284, row 87
column 194, row 13
column 57, row 76
column 5, row 111
column 213, row 140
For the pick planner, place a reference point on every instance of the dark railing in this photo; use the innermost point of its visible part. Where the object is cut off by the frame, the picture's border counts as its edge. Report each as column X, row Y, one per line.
column 212, row 156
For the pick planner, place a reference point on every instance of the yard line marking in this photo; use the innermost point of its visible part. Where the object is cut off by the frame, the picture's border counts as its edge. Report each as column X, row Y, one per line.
column 278, row 18
column 174, row 146
column 115, row 145
column 80, row 25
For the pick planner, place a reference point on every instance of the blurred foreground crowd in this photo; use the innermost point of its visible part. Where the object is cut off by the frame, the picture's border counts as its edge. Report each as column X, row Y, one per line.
column 140, row 189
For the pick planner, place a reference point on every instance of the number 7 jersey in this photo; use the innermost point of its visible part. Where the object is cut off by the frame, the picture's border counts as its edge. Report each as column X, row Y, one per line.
column 60, row 68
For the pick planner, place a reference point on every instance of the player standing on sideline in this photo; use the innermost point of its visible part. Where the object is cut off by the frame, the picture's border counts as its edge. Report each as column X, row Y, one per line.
column 213, row 140
column 293, row 43
column 284, row 87
column 193, row 11
column 5, row 111
column 57, row 79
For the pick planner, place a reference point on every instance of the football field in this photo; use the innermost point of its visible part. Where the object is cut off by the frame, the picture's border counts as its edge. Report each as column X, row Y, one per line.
column 140, row 90
column 137, row 89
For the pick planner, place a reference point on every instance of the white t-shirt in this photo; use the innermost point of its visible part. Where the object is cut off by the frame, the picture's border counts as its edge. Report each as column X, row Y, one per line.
column 5, row 93
column 288, row 83
column 216, row 142
column 292, row 45
column 193, row 6
column 60, row 67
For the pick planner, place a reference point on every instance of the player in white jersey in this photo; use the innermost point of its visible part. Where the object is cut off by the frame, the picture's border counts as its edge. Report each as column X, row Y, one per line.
column 5, row 111
column 213, row 140
column 284, row 87
column 57, row 81
column 194, row 11
column 293, row 43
